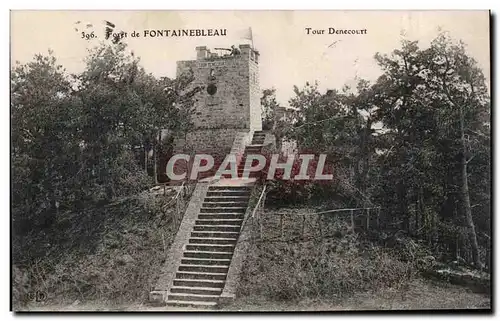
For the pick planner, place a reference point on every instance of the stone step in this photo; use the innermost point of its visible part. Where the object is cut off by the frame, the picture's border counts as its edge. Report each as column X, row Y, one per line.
column 220, row 216
column 224, row 204
column 195, row 290
column 242, row 164
column 213, row 240
column 220, row 234
column 181, row 297
column 219, row 222
column 193, row 304
column 223, row 193
column 254, row 157
column 229, row 198
column 228, row 188
column 202, row 261
column 255, row 153
column 200, row 275
column 204, row 268
column 199, row 283
column 229, row 176
column 241, row 169
column 250, row 174
column 210, row 247
column 217, row 228
column 245, row 157
column 223, row 209
column 207, row 255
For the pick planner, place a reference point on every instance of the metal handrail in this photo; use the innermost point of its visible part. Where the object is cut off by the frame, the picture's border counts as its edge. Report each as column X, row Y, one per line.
column 180, row 190
column 329, row 211
column 258, row 202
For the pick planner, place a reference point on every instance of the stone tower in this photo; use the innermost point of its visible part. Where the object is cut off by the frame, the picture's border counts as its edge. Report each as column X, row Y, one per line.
column 228, row 104
column 231, row 95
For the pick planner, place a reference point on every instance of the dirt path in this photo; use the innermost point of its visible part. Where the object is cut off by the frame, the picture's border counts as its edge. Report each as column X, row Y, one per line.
column 420, row 294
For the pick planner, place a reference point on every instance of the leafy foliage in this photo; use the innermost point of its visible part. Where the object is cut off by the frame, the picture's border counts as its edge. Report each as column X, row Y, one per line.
column 77, row 140
column 415, row 142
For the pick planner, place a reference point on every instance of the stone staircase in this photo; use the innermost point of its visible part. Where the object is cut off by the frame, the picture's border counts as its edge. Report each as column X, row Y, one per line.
column 202, row 272
column 200, row 276
column 255, row 147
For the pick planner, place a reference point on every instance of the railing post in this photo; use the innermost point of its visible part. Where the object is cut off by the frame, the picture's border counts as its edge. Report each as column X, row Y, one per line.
column 281, row 225
column 368, row 219
column 303, row 225
column 352, row 220
column 320, row 224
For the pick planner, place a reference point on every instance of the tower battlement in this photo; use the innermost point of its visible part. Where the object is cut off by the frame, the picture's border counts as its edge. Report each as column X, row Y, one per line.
column 245, row 52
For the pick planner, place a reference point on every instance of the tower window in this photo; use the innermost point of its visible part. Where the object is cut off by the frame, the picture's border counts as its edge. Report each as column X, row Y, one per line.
column 211, row 89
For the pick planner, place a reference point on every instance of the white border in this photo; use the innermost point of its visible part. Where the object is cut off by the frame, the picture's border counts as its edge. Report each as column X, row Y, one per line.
column 190, row 5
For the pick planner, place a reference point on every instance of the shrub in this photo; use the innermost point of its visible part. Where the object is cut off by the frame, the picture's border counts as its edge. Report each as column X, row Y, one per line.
column 109, row 254
column 328, row 268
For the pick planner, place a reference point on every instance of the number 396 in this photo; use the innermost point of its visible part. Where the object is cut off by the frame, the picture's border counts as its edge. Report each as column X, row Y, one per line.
column 88, row 35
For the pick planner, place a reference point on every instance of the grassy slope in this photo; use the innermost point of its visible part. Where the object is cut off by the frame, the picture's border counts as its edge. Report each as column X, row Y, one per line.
column 342, row 270
column 109, row 260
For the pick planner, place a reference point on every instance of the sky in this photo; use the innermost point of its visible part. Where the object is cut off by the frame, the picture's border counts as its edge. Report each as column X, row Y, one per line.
column 288, row 55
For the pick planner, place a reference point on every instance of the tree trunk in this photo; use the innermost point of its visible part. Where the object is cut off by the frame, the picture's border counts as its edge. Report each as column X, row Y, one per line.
column 145, row 159
column 403, row 208
column 155, row 170
column 366, row 159
column 466, row 197
column 418, row 215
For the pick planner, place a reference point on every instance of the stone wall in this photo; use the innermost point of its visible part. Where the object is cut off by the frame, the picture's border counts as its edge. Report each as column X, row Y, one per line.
column 236, row 102
column 215, row 142
column 218, row 117
column 255, row 95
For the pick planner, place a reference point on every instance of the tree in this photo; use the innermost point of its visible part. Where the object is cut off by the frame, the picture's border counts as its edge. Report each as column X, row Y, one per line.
column 461, row 87
column 415, row 142
column 137, row 106
column 74, row 137
column 269, row 108
column 434, row 99
column 44, row 138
